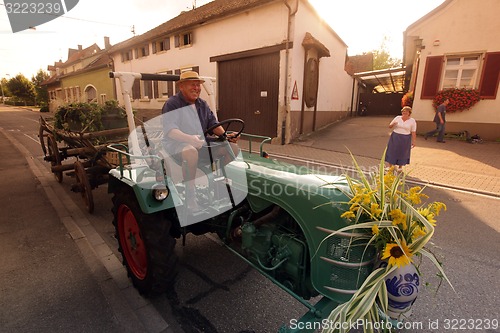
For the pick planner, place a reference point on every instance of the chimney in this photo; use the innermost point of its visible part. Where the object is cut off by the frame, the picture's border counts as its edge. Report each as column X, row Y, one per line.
column 107, row 45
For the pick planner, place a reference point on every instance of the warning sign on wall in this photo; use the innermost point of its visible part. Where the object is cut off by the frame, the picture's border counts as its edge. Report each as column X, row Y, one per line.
column 295, row 91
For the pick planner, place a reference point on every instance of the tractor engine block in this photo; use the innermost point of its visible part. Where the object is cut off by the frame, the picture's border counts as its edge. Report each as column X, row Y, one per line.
column 279, row 254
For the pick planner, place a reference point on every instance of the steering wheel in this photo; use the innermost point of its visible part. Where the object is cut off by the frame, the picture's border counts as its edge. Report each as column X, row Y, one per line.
column 228, row 123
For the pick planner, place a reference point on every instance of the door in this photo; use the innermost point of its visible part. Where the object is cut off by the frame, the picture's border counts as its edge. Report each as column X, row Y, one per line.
column 248, row 89
column 382, row 104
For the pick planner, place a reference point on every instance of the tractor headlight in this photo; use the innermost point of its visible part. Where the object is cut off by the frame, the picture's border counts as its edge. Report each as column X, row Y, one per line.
column 160, row 192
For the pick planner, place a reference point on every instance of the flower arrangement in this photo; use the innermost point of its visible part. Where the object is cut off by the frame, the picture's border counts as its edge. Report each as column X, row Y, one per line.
column 407, row 99
column 392, row 218
column 460, row 99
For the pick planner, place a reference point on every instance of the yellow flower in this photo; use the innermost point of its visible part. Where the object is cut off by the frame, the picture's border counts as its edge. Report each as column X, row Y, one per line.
column 366, row 199
column 375, row 210
column 418, row 232
column 426, row 212
column 415, row 195
column 375, row 229
column 437, row 206
column 398, row 217
column 397, row 255
column 348, row 215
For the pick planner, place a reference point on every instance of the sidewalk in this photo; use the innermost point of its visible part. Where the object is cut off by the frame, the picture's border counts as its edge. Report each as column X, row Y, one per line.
column 57, row 273
column 456, row 164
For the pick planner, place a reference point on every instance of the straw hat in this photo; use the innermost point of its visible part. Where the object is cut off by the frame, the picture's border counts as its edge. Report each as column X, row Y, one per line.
column 190, row 76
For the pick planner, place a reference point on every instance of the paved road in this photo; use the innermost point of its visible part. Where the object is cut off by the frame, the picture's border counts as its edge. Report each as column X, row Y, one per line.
column 60, row 271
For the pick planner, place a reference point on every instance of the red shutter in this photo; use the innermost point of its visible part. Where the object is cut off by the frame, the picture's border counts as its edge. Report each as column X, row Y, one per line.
column 488, row 86
column 432, row 75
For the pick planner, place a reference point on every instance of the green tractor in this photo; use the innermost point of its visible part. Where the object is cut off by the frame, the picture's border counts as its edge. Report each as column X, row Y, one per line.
column 277, row 217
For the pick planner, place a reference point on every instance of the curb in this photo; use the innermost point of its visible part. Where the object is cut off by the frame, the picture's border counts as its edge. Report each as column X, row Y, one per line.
column 132, row 311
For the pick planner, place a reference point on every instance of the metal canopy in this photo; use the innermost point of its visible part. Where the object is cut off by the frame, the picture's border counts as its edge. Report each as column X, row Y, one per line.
column 383, row 81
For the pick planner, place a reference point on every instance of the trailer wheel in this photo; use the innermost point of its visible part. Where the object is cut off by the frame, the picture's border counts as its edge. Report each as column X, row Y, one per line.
column 55, row 157
column 83, row 186
column 146, row 245
column 41, row 137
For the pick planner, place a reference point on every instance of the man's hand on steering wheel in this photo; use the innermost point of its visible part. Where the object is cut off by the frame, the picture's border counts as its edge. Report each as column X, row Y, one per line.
column 233, row 137
column 221, row 130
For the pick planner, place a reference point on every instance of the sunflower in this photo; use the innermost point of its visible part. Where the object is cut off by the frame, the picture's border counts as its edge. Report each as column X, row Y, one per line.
column 397, row 255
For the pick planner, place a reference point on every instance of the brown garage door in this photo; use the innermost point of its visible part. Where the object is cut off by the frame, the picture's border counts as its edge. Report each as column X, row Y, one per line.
column 248, row 89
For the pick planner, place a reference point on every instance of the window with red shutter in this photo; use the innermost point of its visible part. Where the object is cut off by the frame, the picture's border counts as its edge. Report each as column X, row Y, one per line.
column 432, row 74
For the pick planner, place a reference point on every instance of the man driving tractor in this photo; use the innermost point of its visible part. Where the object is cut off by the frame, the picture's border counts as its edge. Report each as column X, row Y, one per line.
column 186, row 119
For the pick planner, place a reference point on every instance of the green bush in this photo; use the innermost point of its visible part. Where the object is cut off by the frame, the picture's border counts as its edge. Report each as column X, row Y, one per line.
column 86, row 117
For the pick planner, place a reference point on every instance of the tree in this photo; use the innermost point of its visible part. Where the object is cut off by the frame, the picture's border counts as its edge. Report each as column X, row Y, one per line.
column 382, row 58
column 22, row 89
column 5, row 90
column 41, row 93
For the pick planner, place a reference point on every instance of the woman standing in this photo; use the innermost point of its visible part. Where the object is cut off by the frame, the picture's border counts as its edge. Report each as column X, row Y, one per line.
column 402, row 139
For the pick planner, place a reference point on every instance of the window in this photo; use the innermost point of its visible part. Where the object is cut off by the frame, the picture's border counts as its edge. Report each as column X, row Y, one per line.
column 103, row 98
column 166, row 88
column 461, row 72
column 147, row 86
column 67, row 95
column 127, row 56
column 142, row 51
column 91, row 94
column 76, row 94
column 59, row 94
column 161, row 45
column 184, row 39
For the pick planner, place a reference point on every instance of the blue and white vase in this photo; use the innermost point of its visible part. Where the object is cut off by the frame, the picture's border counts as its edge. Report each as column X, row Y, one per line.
column 402, row 289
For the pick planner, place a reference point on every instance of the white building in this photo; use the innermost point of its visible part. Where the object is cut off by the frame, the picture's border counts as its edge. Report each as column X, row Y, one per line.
column 277, row 65
column 456, row 46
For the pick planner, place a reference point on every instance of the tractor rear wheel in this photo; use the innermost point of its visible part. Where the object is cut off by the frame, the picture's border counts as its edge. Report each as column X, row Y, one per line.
column 145, row 243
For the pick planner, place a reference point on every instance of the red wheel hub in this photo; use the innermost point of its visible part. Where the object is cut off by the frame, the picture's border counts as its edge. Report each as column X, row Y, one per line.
column 131, row 242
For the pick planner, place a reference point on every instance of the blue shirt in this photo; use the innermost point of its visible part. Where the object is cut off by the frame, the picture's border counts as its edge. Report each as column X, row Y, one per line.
column 192, row 119
column 441, row 109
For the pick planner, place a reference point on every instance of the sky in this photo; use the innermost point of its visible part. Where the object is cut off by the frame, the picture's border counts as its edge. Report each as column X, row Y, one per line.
column 362, row 24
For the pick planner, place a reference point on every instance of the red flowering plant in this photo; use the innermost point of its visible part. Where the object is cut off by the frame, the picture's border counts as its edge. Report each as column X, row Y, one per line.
column 460, row 99
column 407, row 99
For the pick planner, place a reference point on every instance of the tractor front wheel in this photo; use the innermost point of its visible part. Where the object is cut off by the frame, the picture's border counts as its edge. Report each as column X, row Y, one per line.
column 146, row 245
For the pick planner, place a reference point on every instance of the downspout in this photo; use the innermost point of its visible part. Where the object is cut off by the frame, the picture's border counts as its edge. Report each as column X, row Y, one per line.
column 287, row 53
column 352, row 94
column 115, row 91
